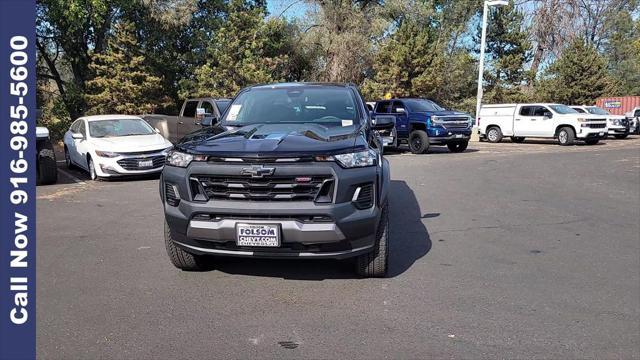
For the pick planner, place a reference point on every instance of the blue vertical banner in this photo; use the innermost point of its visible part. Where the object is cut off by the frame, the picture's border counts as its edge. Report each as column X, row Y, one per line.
column 17, row 179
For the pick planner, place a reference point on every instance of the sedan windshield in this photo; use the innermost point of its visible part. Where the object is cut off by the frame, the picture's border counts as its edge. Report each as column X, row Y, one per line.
column 119, row 127
column 596, row 110
column 422, row 105
column 563, row 109
column 328, row 107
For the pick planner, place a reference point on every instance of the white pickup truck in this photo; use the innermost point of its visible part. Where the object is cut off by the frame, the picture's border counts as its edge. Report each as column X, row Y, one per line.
column 554, row 121
column 617, row 125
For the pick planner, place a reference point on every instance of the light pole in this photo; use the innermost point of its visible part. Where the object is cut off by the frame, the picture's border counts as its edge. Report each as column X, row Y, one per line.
column 474, row 132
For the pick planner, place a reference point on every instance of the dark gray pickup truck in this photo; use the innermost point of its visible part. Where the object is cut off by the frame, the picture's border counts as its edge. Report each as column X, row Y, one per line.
column 195, row 114
column 291, row 170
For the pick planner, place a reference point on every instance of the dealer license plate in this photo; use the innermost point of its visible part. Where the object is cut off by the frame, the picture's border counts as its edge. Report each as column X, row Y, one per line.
column 266, row 235
column 145, row 163
column 458, row 136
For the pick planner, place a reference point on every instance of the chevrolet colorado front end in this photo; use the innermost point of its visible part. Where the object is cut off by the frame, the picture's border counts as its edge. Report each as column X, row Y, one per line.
column 290, row 171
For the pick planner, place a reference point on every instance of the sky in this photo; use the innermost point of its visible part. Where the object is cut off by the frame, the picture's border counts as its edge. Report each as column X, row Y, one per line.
column 291, row 8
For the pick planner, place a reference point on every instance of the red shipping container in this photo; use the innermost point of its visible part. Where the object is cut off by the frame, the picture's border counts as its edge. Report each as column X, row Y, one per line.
column 619, row 105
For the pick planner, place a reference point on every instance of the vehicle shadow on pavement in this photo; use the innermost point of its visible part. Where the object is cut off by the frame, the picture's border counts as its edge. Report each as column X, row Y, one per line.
column 409, row 241
column 550, row 142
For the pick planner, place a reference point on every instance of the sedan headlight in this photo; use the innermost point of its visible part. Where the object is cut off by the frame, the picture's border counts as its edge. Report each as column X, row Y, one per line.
column 107, row 154
column 180, row 159
column 357, row 159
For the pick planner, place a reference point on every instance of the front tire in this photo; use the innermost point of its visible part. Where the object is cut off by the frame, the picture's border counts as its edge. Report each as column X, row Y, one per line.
column 494, row 134
column 47, row 172
column 458, row 146
column 180, row 258
column 376, row 262
column 92, row 169
column 419, row 142
column 566, row 136
column 67, row 159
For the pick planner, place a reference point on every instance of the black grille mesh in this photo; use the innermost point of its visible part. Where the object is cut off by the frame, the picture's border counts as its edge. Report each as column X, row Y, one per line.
column 132, row 163
column 272, row 188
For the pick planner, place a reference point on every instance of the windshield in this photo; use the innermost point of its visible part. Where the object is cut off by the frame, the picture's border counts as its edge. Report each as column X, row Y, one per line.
column 422, row 105
column 563, row 109
column 324, row 106
column 596, row 110
column 119, row 127
column 222, row 105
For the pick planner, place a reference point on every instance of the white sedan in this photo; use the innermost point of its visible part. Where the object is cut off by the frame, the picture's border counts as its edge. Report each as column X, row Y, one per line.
column 114, row 145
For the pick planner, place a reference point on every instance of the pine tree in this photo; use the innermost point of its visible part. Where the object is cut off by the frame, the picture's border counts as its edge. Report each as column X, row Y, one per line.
column 579, row 76
column 402, row 58
column 414, row 62
column 123, row 83
column 508, row 50
column 246, row 50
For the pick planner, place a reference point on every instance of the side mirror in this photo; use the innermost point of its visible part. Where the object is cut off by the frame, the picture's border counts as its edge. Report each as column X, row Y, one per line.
column 77, row 136
column 400, row 110
column 548, row 115
column 382, row 122
column 209, row 120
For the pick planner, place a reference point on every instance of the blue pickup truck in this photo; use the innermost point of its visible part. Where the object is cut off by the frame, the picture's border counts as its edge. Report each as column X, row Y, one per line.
column 422, row 122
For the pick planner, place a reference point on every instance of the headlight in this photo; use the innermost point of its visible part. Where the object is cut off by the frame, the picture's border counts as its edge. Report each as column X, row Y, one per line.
column 358, row 159
column 180, row 159
column 107, row 154
column 581, row 119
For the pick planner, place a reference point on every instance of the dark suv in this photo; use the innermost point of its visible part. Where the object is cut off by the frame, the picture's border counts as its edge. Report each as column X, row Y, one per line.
column 291, row 170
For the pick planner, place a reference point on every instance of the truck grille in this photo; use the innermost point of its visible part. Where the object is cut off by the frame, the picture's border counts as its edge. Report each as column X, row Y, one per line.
column 455, row 125
column 133, row 163
column 452, row 122
column 273, row 188
column 597, row 126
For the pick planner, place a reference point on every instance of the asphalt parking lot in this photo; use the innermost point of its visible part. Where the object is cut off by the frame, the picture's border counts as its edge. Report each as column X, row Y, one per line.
column 505, row 251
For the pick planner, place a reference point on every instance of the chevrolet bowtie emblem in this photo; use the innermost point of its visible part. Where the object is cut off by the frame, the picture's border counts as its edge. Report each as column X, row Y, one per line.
column 257, row 171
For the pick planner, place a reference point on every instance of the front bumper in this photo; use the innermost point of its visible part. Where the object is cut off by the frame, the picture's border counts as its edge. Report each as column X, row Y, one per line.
column 309, row 230
column 445, row 136
column 591, row 133
column 618, row 130
column 112, row 167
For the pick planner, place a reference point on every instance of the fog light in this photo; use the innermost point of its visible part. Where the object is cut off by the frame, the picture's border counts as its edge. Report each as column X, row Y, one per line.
column 106, row 168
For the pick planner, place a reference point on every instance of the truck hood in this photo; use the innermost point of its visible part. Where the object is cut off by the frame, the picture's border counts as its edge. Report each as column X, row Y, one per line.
column 260, row 140
column 131, row 143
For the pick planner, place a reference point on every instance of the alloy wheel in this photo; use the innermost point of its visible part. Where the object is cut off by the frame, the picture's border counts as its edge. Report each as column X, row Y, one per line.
column 563, row 137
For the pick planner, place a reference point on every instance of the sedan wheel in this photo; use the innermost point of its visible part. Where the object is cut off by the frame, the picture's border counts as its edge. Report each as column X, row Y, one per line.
column 67, row 158
column 92, row 170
